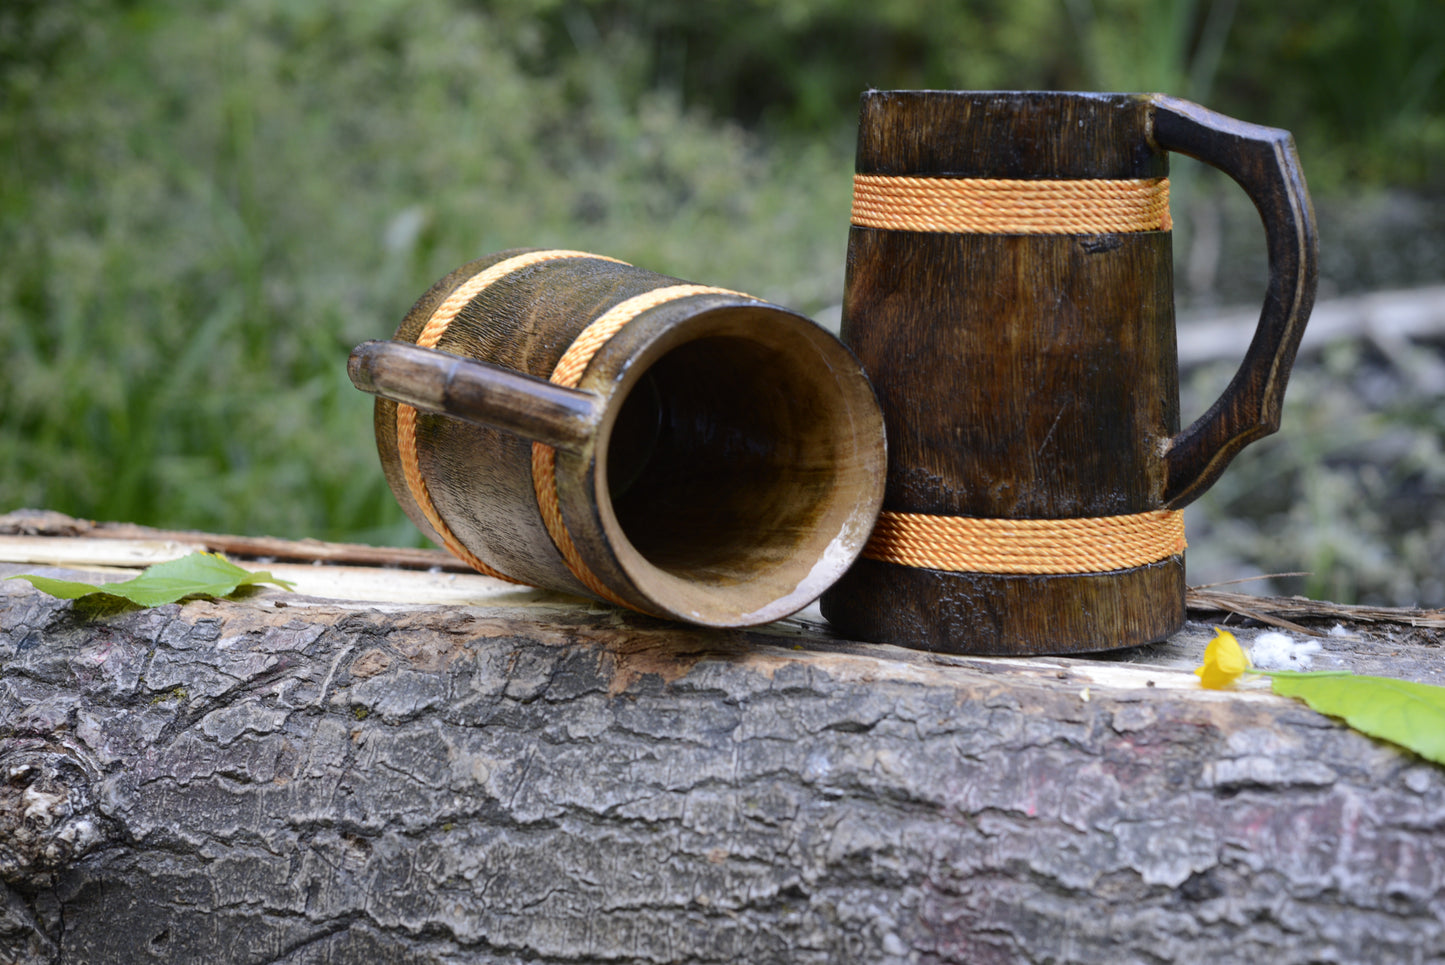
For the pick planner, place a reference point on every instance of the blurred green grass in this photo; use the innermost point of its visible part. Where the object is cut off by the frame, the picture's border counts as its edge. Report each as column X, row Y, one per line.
column 205, row 211
column 205, row 205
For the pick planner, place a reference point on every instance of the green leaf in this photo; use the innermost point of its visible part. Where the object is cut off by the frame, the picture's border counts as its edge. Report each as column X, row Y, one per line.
column 199, row 574
column 1400, row 711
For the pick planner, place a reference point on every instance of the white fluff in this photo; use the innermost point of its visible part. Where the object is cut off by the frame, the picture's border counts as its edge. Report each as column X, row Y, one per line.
column 1273, row 650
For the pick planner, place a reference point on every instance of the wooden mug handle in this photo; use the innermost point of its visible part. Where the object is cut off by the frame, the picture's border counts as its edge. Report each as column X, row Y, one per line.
column 476, row 391
column 1263, row 161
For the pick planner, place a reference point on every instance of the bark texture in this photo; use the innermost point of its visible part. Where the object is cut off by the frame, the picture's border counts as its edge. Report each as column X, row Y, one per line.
column 280, row 778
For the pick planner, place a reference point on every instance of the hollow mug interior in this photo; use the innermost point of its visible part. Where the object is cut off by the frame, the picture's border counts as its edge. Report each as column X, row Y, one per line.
column 743, row 468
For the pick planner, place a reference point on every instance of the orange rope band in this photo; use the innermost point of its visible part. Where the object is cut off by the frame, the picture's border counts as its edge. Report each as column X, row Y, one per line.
column 967, row 544
column 431, row 333
column 997, row 206
column 568, row 372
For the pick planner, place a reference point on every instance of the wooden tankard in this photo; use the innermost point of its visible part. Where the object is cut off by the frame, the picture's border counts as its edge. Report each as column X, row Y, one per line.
column 1009, row 292
column 566, row 420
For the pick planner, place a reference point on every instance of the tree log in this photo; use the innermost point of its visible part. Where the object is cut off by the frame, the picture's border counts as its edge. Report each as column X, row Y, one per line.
column 322, row 777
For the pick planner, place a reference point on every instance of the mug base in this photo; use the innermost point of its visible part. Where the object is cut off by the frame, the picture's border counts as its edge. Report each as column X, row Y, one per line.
column 1004, row 614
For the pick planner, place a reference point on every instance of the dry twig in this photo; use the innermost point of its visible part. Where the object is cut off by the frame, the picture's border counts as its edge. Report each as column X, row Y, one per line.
column 1276, row 610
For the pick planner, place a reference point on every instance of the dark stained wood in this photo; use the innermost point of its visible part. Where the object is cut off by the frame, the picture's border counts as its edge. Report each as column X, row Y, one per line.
column 480, row 477
column 1035, row 376
column 725, row 468
column 384, row 411
column 1007, row 614
column 1021, row 376
column 475, row 391
column 1007, row 134
column 1264, row 162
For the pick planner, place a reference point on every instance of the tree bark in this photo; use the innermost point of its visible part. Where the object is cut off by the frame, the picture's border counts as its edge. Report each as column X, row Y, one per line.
column 287, row 778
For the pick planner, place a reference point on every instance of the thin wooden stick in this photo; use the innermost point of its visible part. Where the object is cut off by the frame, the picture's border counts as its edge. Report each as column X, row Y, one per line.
column 255, row 547
column 1248, row 579
column 1273, row 609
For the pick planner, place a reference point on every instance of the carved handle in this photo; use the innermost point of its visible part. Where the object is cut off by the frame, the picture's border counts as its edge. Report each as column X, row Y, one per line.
column 1264, row 162
column 476, row 391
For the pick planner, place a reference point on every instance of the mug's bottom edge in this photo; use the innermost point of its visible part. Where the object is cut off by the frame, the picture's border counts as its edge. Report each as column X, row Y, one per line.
column 989, row 614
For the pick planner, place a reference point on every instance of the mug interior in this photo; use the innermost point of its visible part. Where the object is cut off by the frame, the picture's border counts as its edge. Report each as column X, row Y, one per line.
column 744, row 467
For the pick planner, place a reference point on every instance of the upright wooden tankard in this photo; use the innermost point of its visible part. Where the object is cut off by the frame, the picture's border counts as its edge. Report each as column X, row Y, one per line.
column 566, row 420
column 1009, row 292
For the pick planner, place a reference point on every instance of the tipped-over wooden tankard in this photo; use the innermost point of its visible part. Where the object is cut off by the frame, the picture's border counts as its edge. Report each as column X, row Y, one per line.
column 566, row 420
column 1009, row 292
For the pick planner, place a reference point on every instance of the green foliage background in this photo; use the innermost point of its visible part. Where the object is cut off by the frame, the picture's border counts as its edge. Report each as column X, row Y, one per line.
column 204, row 205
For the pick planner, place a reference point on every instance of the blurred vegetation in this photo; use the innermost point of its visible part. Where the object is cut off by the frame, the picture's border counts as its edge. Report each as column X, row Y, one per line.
column 204, row 205
column 1349, row 492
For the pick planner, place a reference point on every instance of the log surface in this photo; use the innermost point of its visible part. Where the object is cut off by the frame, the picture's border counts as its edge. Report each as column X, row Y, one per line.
column 515, row 776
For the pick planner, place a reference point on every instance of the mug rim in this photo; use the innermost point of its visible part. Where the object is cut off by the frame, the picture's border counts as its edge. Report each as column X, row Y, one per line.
column 1011, row 135
column 620, row 366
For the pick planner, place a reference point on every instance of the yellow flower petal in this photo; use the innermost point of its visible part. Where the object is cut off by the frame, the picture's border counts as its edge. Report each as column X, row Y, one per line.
column 1224, row 661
